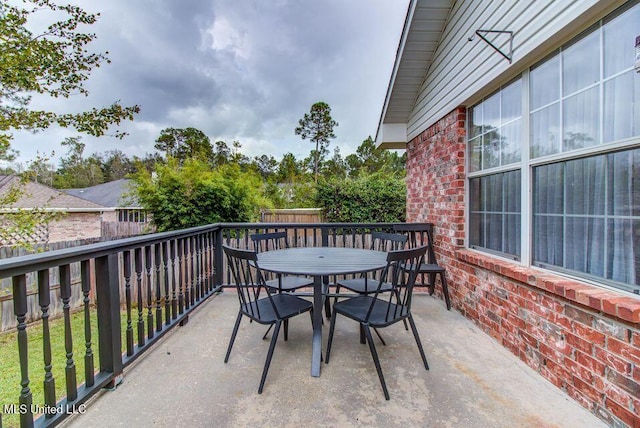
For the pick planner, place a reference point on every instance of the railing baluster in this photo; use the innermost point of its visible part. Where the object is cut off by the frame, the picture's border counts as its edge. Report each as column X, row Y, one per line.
column 158, row 260
column 187, row 272
column 192, row 284
column 196, row 268
column 126, row 262
column 174, row 297
column 147, row 257
column 85, row 278
column 181, row 275
column 165, row 264
column 109, row 333
column 70, row 368
column 203, row 287
column 138, row 267
column 44, row 297
column 20, row 309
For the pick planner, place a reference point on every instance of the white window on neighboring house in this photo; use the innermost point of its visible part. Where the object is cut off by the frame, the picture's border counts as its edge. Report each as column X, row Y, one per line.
column 569, row 161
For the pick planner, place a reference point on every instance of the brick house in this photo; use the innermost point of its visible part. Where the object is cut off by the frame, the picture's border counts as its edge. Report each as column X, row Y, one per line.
column 521, row 123
column 79, row 219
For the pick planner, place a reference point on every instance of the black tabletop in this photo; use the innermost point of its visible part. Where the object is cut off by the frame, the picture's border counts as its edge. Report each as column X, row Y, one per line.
column 320, row 261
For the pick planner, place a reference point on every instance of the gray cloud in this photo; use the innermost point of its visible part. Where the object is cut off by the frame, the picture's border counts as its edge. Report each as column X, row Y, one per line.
column 238, row 70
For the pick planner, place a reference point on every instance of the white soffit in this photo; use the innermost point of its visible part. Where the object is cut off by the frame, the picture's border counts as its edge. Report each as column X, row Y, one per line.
column 426, row 20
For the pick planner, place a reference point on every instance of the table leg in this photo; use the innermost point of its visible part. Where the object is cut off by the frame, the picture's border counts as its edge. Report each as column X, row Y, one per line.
column 316, row 346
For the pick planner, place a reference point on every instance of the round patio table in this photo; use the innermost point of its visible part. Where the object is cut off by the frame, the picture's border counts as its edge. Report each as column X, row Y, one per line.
column 319, row 262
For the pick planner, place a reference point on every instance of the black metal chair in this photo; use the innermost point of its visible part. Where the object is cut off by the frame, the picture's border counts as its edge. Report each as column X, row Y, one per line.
column 384, row 309
column 422, row 234
column 258, row 302
column 380, row 241
column 278, row 241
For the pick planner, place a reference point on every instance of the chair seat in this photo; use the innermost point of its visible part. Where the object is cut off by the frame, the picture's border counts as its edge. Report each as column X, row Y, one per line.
column 362, row 286
column 288, row 306
column 288, row 283
column 430, row 268
column 382, row 314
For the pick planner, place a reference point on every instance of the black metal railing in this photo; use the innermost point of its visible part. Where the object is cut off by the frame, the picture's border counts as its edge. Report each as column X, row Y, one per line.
column 135, row 290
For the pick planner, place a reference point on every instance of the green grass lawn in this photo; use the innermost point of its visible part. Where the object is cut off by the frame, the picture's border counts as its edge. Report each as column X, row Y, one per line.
column 10, row 362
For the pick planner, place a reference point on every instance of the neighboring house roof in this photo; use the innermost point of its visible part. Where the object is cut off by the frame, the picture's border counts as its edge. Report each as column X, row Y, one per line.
column 112, row 194
column 423, row 28
column 38, row 195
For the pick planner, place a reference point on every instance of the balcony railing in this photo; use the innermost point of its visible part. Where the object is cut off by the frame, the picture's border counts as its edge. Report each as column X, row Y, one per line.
column 136, row 289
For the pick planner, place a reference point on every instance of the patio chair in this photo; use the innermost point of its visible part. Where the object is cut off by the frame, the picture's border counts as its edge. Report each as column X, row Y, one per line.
column 384, row 309
column 278, row 241
column 422, row 234
column 258, row 302
column 380, row 241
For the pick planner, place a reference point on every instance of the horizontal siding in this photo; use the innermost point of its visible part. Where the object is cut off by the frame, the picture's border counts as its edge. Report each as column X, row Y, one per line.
column 462, row 71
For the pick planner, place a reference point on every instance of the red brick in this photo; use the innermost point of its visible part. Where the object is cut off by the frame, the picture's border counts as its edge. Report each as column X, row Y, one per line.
column 624, row 350
column 579, row 371
column 625, row 415
column 578, row 315
column 629, row 310
column 589, row 334
column 618, row 395
column 613, row 361
column 595, row 366
column 579, row 343
column 587, row 389
column 581, row 398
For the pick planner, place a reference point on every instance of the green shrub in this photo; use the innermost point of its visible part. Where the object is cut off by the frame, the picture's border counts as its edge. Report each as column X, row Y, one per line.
column 368, row 198
column 193, row 194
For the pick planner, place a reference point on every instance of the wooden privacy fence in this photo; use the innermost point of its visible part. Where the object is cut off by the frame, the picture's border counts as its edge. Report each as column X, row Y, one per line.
column 293, row 215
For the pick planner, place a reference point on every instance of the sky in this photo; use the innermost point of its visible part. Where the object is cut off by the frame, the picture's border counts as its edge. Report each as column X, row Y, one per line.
column 244, row 70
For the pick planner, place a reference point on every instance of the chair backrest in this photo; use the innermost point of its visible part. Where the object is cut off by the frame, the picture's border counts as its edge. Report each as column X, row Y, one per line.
column 248, row 279
column 384, row 241
column 269, row 241
column 419, row 234
column 401, row 272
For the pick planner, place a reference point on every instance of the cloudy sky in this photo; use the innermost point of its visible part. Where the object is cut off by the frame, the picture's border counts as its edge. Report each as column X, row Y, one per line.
column 243, row 70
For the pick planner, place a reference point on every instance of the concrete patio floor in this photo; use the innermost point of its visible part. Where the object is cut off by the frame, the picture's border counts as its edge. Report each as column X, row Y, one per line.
column 472, row 381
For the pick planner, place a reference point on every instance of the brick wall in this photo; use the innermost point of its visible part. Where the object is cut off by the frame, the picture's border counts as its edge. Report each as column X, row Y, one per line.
column 73, row 226
column 583, row 339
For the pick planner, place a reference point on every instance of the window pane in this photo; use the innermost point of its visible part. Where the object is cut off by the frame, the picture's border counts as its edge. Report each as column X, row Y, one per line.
column 545, row 131
column 545, row 83
column 495, row 212
column 510, row 140
column 622, row 107
column 548, row 198
column 547, row 239
column 580, row 120
column 623, row 256
column 511, row 102
column 491, row 112
column 475, row 155
column 585, row 186
column 619, row 41
column 584, row 245
column 624, row 183
column 581, row 64
column 475, row 121
column 491, row 150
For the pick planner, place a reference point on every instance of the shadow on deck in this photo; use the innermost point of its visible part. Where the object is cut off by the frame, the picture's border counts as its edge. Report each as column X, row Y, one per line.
column 473, row 381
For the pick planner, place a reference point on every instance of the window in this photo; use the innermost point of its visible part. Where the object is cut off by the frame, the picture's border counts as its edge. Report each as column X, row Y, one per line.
column 582, row 163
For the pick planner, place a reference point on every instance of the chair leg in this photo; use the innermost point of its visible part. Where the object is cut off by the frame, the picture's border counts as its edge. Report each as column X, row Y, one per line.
column 415, row 335
column 233, row 336
column 286, row 330
column 380, row 337
column 432, row 283
column 267, row 363
column 445, row 290
column 327, row 301
column 330, row 340
column 266, row 333
column 376, row 361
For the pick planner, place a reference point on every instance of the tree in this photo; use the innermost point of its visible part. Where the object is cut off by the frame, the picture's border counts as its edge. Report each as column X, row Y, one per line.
column 369, row 159
column 116, row 165
column 317, row 125
column 183, row 143
column 75, row 171
column 192, row 194
column 56, row 63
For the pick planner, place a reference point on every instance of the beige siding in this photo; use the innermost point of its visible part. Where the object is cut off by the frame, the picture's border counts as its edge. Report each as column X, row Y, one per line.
column 72, row 226
column 463, row 71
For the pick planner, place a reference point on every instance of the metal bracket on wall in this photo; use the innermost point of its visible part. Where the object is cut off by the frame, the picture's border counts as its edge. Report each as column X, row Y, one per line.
column 482, row 34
